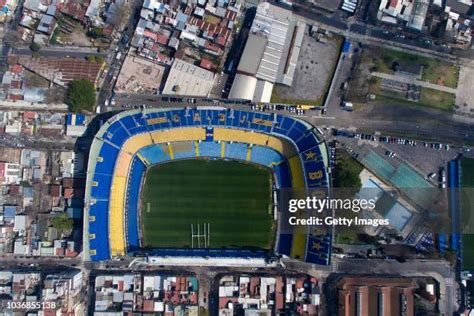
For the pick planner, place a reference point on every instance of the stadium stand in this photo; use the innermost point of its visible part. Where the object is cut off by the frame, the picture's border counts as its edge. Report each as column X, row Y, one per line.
column 116, row 216
column 155, row 154
column 297, row 178
column 179, row 135
column 135, row 178
column 236, row 151
column 131, row 141
column 183, row 150
column 265, row 156
column 137, row 142
column 209, row 149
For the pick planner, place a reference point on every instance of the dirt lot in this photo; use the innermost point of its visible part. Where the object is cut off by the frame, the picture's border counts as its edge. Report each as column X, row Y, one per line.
column 315, row 68
column 10, row 154
column 465, row 93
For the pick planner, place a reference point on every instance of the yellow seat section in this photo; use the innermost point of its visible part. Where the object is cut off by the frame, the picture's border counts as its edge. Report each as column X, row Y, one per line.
column 137, row 142
column 123, row 164
column 282, row 146
column 116, row 216
column 297, row 177
column 236, row 135
column 179, row 135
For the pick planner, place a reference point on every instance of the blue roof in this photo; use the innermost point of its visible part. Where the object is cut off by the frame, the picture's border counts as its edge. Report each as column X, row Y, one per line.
column 9, row 211
column 28, row 192
column 346, row 46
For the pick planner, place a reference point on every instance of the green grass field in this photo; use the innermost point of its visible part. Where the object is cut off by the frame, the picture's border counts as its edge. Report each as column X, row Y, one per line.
column 235, row 198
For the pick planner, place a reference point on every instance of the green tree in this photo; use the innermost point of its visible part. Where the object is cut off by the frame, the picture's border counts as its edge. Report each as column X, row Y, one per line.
column 35, row 47
column 347, row 172
column 95, row 32
column 80, row 95
column 62, row 222
column 95, row 59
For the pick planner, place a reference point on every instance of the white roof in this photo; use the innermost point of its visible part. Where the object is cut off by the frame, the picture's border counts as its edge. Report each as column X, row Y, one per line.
column 263, row 92
column 243, row 87
column 186, row 79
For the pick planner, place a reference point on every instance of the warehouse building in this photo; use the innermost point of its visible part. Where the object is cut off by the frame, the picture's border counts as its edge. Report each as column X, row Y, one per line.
column 270, row 54
column 186, row 79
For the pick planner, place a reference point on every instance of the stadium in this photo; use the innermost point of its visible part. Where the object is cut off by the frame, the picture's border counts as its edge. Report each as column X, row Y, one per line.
column 201, row 182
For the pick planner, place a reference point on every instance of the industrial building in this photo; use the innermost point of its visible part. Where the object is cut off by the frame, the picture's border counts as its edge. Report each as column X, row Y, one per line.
column 186, row 79
column 270, row 54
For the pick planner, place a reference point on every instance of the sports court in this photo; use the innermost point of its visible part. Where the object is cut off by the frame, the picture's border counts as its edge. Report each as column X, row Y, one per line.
column 228, row 201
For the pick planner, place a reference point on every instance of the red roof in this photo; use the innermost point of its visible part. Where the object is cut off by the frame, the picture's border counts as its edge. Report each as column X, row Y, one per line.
column 206, row 64
column 162, row 39
column 150, row 34
column 15, row 97
column 28, row 115
column 16, row 68
column 231, row 15
column 55, row 190
column 68, row 193
column 393, row 3
column 221, row 40
column 148, row 306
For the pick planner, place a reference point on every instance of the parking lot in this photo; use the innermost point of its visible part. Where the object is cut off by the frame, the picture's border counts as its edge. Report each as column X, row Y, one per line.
column 314, row 71
column 424, row 157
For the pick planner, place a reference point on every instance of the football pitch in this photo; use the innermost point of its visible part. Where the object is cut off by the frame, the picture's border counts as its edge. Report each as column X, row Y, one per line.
column 233, row 197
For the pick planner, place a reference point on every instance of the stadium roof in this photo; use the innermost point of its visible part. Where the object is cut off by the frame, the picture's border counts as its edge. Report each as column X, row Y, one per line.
column 252, row 55
column 186, row 79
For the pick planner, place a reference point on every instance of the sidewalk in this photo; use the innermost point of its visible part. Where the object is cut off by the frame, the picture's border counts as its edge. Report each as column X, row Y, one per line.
column 408, row 80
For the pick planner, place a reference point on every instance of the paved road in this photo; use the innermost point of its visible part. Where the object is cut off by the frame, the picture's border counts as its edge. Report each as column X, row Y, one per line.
column 409, row 80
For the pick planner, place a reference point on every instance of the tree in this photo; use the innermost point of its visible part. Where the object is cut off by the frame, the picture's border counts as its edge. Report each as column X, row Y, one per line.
column 62, row 222
column 347, row 172
column 35, row 47
column 95, row 32
column 80, row 95
column 95, row 59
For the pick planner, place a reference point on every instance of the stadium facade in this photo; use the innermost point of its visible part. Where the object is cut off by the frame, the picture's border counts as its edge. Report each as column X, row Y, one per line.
column 130, row 142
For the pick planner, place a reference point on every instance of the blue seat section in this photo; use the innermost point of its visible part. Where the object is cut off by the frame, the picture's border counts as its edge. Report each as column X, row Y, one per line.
column 100, row 228
column 261, row 127
column 282, row 173
column 135, row 177
column 209, row 149
column 109, row 155
column 296, row 132
column 215, row 253
column 117, row 134
column 133, row 126
column 209, row 134
column 265, row 156
column 306, row 142
column 154, row 154
column 236, row 151
column 315, row 174
column 102, row 189
column 318, row 249
column 284, row 244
